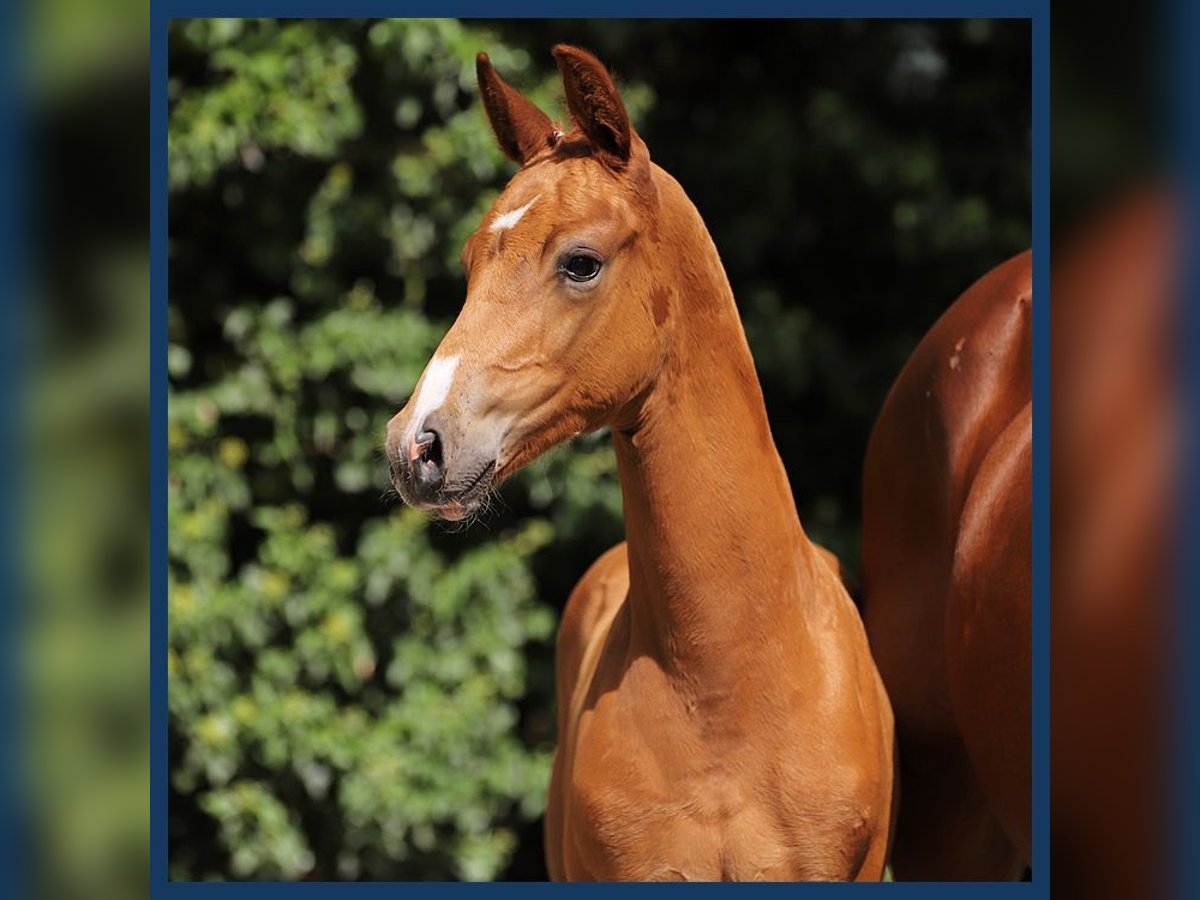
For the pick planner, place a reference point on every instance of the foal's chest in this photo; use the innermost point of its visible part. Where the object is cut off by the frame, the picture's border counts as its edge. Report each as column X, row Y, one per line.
column 618, row 835
column 647, row 805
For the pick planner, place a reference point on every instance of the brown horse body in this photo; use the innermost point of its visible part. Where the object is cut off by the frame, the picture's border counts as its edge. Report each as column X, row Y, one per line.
column 1115, row 453
column 719, row 713
column 946, row 580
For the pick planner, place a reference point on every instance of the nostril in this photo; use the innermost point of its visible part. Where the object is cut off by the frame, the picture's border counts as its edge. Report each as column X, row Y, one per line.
column 429, row 447
column 427, row 443
column 427, row 459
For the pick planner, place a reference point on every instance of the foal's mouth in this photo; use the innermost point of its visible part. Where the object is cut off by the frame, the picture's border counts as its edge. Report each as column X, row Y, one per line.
column 456, row 499
column 456, row 503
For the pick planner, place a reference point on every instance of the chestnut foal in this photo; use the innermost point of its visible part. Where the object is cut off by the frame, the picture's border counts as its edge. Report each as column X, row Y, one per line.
column 719, row 714
column 946, row 580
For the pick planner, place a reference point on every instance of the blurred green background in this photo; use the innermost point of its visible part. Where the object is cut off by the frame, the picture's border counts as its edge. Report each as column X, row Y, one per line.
column 80, row 351
column 355, row 691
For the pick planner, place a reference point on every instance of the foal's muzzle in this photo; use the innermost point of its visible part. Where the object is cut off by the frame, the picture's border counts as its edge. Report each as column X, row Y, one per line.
column 434, row 470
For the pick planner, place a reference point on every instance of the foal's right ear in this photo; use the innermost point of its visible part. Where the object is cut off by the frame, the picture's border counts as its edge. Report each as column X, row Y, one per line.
column 521, row 128
column 595, row 103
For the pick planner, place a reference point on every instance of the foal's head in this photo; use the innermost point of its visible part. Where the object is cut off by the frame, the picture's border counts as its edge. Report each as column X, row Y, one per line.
column 565, row 316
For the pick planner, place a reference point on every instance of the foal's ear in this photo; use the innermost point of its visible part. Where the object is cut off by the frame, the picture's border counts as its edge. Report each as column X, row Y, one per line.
column 594, row 102
column 521, row 128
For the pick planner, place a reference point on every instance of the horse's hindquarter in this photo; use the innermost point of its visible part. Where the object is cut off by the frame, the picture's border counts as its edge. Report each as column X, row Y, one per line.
column 988, row 627
column 640, row 792
column 963, row 386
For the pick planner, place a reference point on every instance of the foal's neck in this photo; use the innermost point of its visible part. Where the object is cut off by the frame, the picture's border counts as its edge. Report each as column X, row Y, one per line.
column 719, row 564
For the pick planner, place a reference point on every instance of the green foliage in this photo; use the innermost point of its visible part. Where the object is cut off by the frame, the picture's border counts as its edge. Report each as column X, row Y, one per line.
column 356, row 692
column 332, row 659
column 275, row 88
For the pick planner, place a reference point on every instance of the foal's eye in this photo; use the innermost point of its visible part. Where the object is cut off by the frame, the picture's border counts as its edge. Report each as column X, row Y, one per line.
column 580, row 266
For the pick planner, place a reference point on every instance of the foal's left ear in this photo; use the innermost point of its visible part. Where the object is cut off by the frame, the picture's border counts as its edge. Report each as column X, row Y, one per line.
column 521, row 128
column 595, row 103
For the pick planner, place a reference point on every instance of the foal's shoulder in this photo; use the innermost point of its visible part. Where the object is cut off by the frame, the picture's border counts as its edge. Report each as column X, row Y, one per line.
column 591, row 607
column 608, row 575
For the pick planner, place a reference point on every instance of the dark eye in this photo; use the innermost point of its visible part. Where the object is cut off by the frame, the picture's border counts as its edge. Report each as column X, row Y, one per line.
column 581, row 266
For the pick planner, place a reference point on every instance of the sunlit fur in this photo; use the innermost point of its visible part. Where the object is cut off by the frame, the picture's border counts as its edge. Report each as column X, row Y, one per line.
column 947, row 498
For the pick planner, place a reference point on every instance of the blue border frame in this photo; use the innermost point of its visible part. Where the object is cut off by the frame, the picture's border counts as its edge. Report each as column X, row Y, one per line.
column 15, row 210
column 1179, row 36
column 1038, row 11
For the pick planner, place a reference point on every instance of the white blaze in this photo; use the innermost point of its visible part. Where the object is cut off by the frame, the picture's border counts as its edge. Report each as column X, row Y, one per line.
column 439, row 375
column 511, row 218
